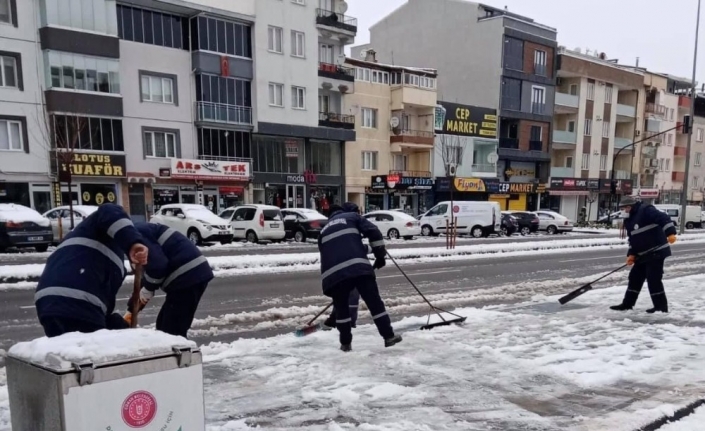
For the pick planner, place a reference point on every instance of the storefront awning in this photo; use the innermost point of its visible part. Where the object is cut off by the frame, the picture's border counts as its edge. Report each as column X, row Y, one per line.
column 569, row 192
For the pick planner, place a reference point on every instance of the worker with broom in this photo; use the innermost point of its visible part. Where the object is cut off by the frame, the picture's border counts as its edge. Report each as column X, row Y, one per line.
column 176, row 266
column 78, row 287
column 345, row 267
column 650, row 234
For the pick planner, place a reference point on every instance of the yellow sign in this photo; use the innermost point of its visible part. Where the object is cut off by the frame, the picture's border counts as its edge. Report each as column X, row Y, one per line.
column 99, row 199
column 111, row 197
column 86, row 196
column 522, row 188
column 511, row 172
column 469, row 185
column 95, row 165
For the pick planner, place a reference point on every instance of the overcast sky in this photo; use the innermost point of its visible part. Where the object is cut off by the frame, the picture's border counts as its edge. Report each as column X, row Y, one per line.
column 660, row 32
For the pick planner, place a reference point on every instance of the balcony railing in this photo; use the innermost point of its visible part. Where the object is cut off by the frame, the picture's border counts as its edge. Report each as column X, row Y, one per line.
column 333, row 119
column 535, row 146
column 564, row 137
column 626, row 110
column 421, row 174
column 562, row 172
column 621, row 143
column 221, row 113
column 621, row 175
column 335, row 71
column 484, row 169
column 538, row 108
column 540, row 69
column 412, row 137
column 680, row 151
column 678, row 176
column 225, row 159
column 569, row 100
column 653, row 136
column 337, row 20
column 653, row 108
column 510, row 143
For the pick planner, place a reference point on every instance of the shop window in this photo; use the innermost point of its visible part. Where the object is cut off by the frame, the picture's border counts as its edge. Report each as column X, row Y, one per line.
column 14, row 193
column 98, row 194
column 324, row 157
column 278, row 155
column 164, row 196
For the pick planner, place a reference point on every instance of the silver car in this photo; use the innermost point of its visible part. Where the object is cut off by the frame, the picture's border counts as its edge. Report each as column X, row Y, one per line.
column 552, row 222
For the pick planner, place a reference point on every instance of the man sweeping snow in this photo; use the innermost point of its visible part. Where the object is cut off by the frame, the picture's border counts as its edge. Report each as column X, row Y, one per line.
column 345, row 267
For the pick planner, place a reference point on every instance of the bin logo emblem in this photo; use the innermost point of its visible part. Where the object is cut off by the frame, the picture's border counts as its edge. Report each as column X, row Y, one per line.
column 139, row 409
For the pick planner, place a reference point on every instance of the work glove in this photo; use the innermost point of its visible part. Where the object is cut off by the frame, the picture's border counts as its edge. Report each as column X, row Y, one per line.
column 128, row 318
column 380, row 263
column 630, row 260
column 671, row 239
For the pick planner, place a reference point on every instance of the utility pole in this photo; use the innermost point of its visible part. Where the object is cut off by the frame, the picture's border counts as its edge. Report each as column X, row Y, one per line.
column 684, row 197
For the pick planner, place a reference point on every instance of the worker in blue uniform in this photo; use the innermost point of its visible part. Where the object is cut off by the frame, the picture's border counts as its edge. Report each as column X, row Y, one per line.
column 78, row 287
column 177, row 267
column 346, row 267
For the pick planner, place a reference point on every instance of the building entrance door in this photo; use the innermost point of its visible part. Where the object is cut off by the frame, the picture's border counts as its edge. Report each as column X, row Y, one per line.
column 295, row 196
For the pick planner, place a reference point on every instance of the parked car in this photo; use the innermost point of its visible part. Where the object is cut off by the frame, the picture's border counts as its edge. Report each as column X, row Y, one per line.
column 553, row 223
column 475, row 218
column 255, row 222
column 62, row 215
column 509, row 226
column 693, row 214
column 302, row 223
column 395, row 224
column 615, row 218
column 21, row 227
column 528, row 222
column 197, row 222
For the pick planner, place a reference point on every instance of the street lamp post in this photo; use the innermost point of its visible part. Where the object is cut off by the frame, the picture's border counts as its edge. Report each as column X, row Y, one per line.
column 684, row 196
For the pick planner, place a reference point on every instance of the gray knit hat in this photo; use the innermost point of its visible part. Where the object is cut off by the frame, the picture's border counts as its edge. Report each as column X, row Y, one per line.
column 627, row 201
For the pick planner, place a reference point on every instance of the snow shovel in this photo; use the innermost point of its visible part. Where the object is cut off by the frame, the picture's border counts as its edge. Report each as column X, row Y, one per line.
column 137, row 286
column 310, row 328
column 438, row 311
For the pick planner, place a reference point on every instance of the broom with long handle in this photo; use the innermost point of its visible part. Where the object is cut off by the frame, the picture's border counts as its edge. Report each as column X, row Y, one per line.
column 137, row 286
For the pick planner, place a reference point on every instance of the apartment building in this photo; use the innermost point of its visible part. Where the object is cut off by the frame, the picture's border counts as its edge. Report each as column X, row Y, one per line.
column 301, row 129
column 389, row 166
column 696, row 184
column 594, row 130
column 488, row 58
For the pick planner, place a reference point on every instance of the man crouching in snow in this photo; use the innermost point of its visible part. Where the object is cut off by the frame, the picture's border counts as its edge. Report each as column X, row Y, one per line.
column 345, row 267
column 81, row 279
column 180, row 270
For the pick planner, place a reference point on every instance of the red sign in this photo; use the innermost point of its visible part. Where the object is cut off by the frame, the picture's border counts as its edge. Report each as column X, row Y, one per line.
column 649, row 193
column 139, row 409
column 232, row 190
column 310, row 177
column 456, row 209
column 224, row 66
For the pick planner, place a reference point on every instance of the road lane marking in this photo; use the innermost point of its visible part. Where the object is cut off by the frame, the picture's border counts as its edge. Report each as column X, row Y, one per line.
column 27, row 307
column 421, row 273
column 612, row 257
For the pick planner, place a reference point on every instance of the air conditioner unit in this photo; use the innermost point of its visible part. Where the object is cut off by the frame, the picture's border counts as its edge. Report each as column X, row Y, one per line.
column 638, row 132
column 452, row 169
column 654, row 163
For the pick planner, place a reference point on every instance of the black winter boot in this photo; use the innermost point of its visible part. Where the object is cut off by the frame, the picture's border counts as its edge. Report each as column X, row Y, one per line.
column 346, row 347
column 620, row 307
column 328, row 324
column 653, row 310
column 389, row 342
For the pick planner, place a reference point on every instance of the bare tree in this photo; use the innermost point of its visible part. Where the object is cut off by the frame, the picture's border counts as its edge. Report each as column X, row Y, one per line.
column 451, row 149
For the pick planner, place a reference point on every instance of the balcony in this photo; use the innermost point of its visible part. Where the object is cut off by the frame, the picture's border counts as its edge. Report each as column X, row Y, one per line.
column 538, row 108
column 564, row 140
column 535, row 146
column 420, row 174
column 655, row 109
column 335, row 120
column 509, row 143
column 622, row 175
column 680, row 151
column 413, row 138
column 566, row 103
column 405, row 95
column 683, row 102
column 625, row 113
column 678, row 177
column 334, row 71
column 562, row 172
column 653, row 137
column 622, row 142
column 484, row 169
column 221, row 113
column 540, row 69
column 336, row 20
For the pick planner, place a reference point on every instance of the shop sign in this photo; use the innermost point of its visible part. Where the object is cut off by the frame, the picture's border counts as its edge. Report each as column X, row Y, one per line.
column 517, row 170
column 58, row 201
column 415, row 183
column 469, row 185
column 164, row 172
column 379, row 182
column 210, row 170
column 649, row 193
column 577, row 184
column 466, row 120
column 308, row 177
column 517, row 188
column 94, row 165
column 232, row 190
column 624, row 187
column 292, row 148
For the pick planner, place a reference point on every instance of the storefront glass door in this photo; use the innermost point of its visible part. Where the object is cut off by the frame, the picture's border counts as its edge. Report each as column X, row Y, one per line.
column 295, row 196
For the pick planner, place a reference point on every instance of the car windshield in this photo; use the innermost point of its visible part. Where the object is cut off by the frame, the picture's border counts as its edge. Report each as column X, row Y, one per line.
column 201, row 214
column 272, row 215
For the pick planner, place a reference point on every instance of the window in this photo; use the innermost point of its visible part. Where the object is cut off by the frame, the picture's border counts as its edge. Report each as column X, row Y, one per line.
column 605, row 129
column 79, row 14
column 660, row 164
column 511, row 94
column 669, row 139
column 325, row 53
column 221, row 144
column 298, row 97
column 154, row 28
column 608, row 94
column 668, row 165
column 6, row 11
column 369, row 160
column 538, row 100
column 369, row 118
column 603, row 162
column 298, row 44
column 696, row 180
column 591, row 91
column 585, row 162
column 698, row 158
column 574, row 89
column 380, row 77
column 80, row 72
column 225, row 37
column 223, row 91
column 513, row 53
column 298, row 1
column 88, row 133
column 11, row 138
column 672, row 113
column 571, row 126
column 399, row 162
column 412, row 80
column 276, row 94
column 362, row 74
column 426, row 82
column 278, row 154
column 323, row 103
column 540, row 62
column 569, row 162
column 395, row 78
column 588, row 127
column 699, row 135
column 276, row 39
column 8, row 71
column 324, row 157
column 536, row 134
column 157, row 89
column 160, row 144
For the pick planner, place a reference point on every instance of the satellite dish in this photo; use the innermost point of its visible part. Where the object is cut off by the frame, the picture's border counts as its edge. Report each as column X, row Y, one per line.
column 340, row 60
column 394, row 122
column 363, row 54
column 492, row 158
column 341, row 7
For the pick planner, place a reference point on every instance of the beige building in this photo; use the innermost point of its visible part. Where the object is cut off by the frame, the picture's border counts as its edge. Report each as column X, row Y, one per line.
column 389, row 166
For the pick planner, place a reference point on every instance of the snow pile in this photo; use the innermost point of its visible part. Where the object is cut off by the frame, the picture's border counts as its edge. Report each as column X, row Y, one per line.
column 98, row 347
column 693, row 422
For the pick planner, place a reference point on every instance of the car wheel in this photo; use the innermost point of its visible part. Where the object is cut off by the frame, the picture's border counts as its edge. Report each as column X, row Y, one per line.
column 251, row 236
column 393, row 234
column 194, row 237
column 525, row 231
column 300, row 236
column 477, row 232
column 503, row 231
column 42, row 248
column 689, row 225
column 552, row 230
column 427, row 230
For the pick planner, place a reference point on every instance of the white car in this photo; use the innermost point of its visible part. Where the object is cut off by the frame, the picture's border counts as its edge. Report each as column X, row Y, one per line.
column 62, row 216
column 553, row 223
column 395, row 224
column 255, row 222
column 196, row 222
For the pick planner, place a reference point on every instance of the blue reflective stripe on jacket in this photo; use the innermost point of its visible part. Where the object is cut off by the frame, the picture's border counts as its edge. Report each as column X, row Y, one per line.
column 174, row 262
column 648, row 229
column 82, row 277
column 343, row 255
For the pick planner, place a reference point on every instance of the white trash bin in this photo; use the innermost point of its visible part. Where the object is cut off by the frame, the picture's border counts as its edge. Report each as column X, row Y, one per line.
column 134, row 379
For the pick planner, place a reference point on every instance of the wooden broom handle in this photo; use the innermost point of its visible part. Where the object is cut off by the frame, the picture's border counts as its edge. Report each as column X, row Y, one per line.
column 136, row 295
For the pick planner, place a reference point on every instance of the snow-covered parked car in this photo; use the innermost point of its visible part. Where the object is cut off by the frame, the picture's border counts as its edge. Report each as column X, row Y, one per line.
column 255, row 222
column 395, row 224
column 196, row 222
column 21, row 227
column 301, row 224
column 553, row 223
column 62, row 216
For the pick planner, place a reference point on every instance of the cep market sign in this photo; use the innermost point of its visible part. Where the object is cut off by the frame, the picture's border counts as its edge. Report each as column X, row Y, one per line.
column 466, row 120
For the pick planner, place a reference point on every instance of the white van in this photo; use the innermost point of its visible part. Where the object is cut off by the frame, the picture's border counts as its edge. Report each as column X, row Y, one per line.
column 693, row 214
column 255, row 222
column 474, row 218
